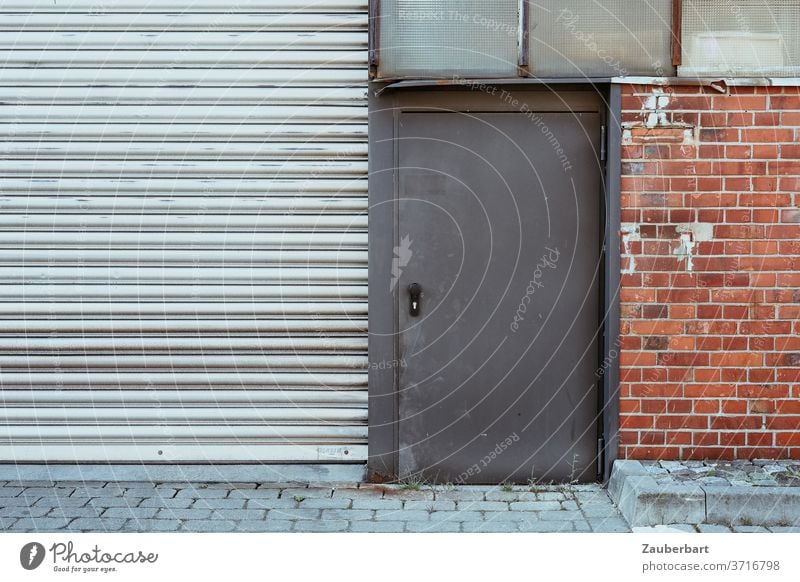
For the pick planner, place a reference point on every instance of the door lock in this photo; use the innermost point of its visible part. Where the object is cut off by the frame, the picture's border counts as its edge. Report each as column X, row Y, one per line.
column 414, row 292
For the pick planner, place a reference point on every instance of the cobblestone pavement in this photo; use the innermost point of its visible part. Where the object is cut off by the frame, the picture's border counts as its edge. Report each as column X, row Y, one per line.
column 758, row 473
column 251, row 507
column 248, row 507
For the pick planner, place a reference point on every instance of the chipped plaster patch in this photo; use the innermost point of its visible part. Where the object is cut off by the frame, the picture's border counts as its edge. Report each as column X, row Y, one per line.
column 630, row 232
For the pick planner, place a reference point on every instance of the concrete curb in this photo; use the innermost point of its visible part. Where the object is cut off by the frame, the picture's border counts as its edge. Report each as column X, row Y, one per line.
column 643, row 502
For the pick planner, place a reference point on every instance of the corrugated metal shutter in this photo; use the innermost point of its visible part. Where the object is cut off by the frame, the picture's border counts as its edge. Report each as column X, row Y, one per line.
column 183, row 230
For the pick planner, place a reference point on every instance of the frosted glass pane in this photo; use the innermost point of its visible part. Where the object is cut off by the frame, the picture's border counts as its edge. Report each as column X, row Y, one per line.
column 600, row 38
column 440, row 38
column 744, row 38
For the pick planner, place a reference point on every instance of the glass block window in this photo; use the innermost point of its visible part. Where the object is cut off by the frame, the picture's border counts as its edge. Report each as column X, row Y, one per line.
column 600, row 38
column 740, row 38
column 441, row 38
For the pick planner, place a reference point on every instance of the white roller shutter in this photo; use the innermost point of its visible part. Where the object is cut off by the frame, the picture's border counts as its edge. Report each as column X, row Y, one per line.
column 183, row 233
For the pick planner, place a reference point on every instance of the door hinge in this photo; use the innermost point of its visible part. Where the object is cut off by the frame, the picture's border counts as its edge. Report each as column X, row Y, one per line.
column 601, row 455
column 602, row 143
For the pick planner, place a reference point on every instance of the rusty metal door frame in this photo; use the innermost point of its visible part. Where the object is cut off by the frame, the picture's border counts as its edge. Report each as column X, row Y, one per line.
column 385, row 105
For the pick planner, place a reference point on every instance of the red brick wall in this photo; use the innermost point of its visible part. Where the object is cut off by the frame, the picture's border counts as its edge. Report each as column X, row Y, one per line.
column 710, row 296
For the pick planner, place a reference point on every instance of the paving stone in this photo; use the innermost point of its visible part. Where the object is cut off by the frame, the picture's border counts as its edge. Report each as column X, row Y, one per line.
column 184, row 514
column 551, row 496
column 608, row 510
column 581, row 526
column 377, row 526
column 510, row 516
column 23, row 511
column 394, row 492
column 321, row 526
column 435, row 527
column 216, row 525
column 455, row 516
column 33, row 483
column 36, row 492
column 42, row 524
column 308, row 493
column 498, row 495
column 144, row 484
column 712, row 528
column 483, row 505
column 366, row 503
column 174, row 503
column 294, row 514
column 609, row 525
column 238, row 514
column 472, row 494
column 214, row 503
column 151, row 492
column 569, row 505
column 7, row 522
column 275, row 525
column 347, row 514
column 322, row 503
column 197, row 493
column 368, row 492
column 430, row 505
column 254, row 494
column 71, row 512
column 96, row 524
column 60, row 502
column 24, row 502
column 559, row 515
column 10, row 491
column 784, row 529
column 131, row 512
column 99, row 492
column 388, row 515
column 490, row 526
column 151, row 525
column 535, row 506
column 114, row 502
column 287, row 503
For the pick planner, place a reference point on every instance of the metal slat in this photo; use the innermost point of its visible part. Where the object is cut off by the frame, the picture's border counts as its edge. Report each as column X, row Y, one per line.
column 183, row 131
column 208, row 39
column 181, row 150
column 207, row 345
column 256, row 275
column 231, row 115
column 155, row 59
column 41, row 292
column 183, row 231
column 212, row 6
column 179, row 20
column 194, row 398
column 186, row 95
column 209, row 327
column 166, row 379
column 145, row 205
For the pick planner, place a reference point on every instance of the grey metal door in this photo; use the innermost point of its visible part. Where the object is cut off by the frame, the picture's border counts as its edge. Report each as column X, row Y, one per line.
column 499, row 220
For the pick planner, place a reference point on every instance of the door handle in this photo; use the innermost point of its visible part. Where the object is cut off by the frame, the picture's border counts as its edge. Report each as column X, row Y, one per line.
column 414, row 292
